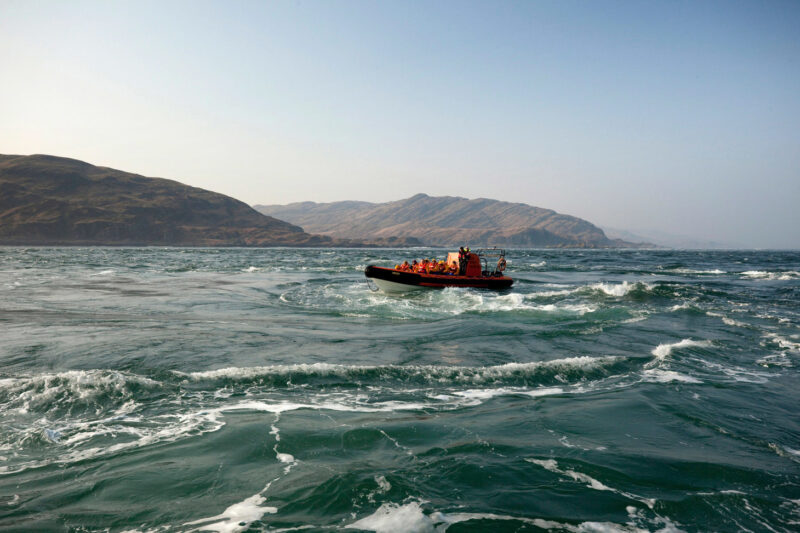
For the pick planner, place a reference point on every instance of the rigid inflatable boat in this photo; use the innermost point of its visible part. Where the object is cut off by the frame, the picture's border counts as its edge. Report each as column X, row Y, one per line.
column 479, row 273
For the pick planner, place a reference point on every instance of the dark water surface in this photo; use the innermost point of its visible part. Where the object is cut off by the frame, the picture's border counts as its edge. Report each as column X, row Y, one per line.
column 264, row 390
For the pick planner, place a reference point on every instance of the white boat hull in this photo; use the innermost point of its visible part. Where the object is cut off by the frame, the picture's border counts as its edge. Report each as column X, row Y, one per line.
column 390, row 286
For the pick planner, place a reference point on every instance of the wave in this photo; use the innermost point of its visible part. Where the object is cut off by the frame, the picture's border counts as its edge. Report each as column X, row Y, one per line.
column 522, row 373
column 727, row 320
column 621, row 289
column 237, row 517
column 785, row 348
column 681, row 270
column 783, row 343
column 83, row 415
column 355, row 300
column 656, row 375
column 413, row 517
column 737, row 373
column 71, row 390
column 662, row 351
column 769, row 276
column 86, row 439
column 346, row 298
column 590, row 482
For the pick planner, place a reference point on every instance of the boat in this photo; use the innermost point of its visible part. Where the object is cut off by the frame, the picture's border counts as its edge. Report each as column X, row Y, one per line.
column 484, row 270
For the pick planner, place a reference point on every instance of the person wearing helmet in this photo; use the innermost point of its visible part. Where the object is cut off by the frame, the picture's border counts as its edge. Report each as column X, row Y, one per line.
column 431, row 267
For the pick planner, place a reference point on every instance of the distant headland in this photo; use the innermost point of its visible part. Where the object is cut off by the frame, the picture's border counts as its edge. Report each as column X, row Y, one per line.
column 47, row 200
column 447, row 221
column 55, row 201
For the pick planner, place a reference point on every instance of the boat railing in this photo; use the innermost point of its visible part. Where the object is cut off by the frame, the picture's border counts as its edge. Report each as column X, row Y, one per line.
column 496, row 255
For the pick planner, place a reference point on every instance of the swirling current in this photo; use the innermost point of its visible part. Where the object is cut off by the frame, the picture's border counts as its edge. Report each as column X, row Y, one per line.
column 152, row 389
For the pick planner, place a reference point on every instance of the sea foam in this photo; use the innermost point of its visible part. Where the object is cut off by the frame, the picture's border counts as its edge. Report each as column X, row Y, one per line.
column 237, row 517
column 662, row 351
column 432, row 373
column 770, row 276
column 619, row 290
column 590, row 482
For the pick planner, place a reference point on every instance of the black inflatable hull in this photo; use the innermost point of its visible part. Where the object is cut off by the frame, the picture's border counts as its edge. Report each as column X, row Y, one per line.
column 391, row 280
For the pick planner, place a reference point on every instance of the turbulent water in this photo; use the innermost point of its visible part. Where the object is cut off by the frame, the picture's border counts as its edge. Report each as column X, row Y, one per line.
column 271, row 390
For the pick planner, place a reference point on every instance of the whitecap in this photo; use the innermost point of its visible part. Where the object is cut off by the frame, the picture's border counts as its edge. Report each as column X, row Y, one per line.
column 410, row 518
column 394, row 518
column 663, row 351
column 770, row 276
column 620, row 290
column 435, row 373
column 655, row 375
column 486, row 394
column 715, row 271
column 580, row 309
column 550, row 294
column 727, row 320
column 783, row 342
column 49, row 391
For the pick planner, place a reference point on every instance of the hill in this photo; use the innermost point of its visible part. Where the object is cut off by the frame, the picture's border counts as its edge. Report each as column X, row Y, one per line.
column 47, row 200
column 445, row 221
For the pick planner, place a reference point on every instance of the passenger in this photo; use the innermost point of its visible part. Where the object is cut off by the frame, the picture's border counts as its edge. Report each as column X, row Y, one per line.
column 462, row 261
column 405, row 267
column 441, row 268
column 453, row 269
column 415, row 266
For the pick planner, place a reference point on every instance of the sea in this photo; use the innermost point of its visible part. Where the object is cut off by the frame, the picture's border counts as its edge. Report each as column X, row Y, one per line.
column 242, row 389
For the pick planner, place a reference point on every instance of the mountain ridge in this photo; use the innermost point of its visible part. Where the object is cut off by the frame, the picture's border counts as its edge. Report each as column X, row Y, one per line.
column 445, row 221
column 51, row 200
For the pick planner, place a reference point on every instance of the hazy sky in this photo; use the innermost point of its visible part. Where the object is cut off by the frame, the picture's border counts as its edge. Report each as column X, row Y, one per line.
column 676, row 116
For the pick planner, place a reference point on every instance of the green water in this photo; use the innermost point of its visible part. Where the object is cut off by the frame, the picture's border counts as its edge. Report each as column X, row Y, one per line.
column 271, row 390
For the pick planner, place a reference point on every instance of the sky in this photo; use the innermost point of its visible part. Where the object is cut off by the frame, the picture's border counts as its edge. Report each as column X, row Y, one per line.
column 680, row 117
